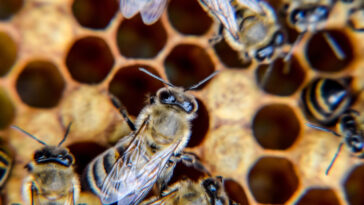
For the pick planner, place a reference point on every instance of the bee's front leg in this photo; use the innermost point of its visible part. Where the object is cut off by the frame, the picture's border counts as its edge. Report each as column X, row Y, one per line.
column 192, row 160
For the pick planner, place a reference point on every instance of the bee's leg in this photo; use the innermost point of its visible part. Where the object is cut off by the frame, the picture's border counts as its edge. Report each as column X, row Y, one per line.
column 161, row 184
column 217, row 37
column 33, row 192
column 116, row 102
column 192, row 160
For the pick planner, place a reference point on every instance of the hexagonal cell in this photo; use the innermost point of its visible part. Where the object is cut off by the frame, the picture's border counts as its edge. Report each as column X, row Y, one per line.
column 200, row 125
column 8, row 53
column 89, row 60
column 9, row 7
column 235, row 192
column 354, row 186
column 40, row 84
column 318, row 197
column 137, row 40
column 131, row 87
column 320, row 53
column 272, row 180
column 276, row 126
column 187, row 64
column 188, row 17
column 7, row 109
column 94, row 14
column 228, row 56
column 284, row 78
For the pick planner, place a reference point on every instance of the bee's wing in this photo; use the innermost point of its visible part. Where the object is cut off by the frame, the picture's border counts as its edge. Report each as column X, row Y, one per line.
column 251, row 4
column 223, row 10
column 152, row 11
column 130, row 7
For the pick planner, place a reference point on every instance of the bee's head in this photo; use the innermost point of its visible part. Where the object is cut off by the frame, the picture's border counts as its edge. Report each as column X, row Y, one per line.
column 53, row 154
column 266, row 52
column 178, row 98
column 215, row 189
column 310, row 15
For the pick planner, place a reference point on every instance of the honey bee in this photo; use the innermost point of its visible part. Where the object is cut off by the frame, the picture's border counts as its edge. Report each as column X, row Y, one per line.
column 208, row 191
column 150, row 10
column 6, row 163
column 324, row 99
column 350, row 129
column 355, row 15
column 126, row 172
column 52, row 179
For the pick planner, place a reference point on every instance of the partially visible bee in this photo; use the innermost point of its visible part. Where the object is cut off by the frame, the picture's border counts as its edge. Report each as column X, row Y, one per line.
column 356, row 15
column 51, row 179
column 126, row 172
column 208, row 191
column 350, row 129
column 6, row 163
column 326, row 99
column 150, row 10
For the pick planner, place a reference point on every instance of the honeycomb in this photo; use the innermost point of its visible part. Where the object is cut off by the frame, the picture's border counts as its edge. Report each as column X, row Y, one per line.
column 61, row 58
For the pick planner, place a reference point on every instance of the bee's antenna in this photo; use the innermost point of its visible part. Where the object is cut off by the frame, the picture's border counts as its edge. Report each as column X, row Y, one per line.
column 334, row 159
column 202, row 81
column 115, row 101
column 156, row 77
column 323, row 129
column 65, row 134
column 27, row 133
column 290, row 52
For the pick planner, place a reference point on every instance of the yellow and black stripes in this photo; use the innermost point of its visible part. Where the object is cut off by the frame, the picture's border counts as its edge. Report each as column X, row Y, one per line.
column 6, row 162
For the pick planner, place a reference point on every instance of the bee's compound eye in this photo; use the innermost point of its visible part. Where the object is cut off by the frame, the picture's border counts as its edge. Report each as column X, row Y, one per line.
column 278, row 38
column 38, row 155
column 322, row 12
column 167, row 97
column 357, row 144
column 298, row 15
column 264, row 53
column 188, row 106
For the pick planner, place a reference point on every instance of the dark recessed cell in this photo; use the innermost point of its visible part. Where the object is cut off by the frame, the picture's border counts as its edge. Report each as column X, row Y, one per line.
column 228, row 56
column 283, row 79
column 276, row 126
column 319, row 197
column 354, row 186
column 9, row 7
column 7, row 110
column 182, row 172
column 200, row 125
column 188, row 17
column 235, row 192
column 40, row 84
column 89, row 60
column 8, row 53
column 94, row 14
column 187, row 64
column 272, row 180
column 137, row 40
column 321, row 55
column 132, row 87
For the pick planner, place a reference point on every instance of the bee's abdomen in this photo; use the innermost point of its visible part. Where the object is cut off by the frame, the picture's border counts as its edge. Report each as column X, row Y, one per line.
column 325, row 100
column 5, row 166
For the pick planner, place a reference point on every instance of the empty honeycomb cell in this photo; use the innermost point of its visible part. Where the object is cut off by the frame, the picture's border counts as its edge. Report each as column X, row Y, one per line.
column 137, row 40
column 82, row 154
column 235, row 192
column 318, row 197
column 272, row 180
column 200, row 125
column 188, row 17
column 131, row 87
column 280, row 81
column 9, row 7
column 94, row 14
column 40, row 84
column 321, row 56
column 276, row 126
column 354, row 186
column 7, row 109
column 89, row 60
column 228, row 56
column 8, row 53
column 188, row 64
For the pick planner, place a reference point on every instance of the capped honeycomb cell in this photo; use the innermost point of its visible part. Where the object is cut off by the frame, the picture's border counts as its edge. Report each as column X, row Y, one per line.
column 40, row 84
column 8, row 53
column 318, row 197
column 9, row 7
column 7, row 109
column 235, row 191
column 94, row 14
column 272, row 180
column 354, row 187
column 276, row 126
column 188, row 17
column 89, row 60
column 137, row 40
column 187, row 65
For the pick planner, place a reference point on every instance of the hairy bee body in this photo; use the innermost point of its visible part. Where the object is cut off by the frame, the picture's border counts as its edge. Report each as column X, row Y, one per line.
column 208, row 191
column 6, row 164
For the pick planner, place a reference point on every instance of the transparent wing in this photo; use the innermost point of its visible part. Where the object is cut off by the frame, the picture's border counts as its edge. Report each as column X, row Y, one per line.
column 129, row 8
column 152, row 11
column 251, row 4
column 223, row 10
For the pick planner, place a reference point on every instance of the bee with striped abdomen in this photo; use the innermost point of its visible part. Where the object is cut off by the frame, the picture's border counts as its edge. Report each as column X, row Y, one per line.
column 208, row 191
column 51, row 179
column 126, row 172
column 6, row 163
column 150, row 10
